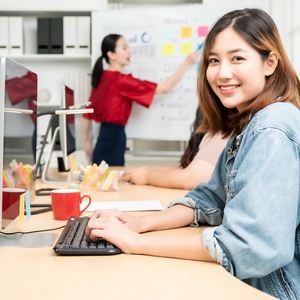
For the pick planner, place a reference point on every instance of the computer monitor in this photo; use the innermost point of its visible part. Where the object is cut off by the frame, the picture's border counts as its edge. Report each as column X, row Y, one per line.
column 18, row 92
column 67, row 128
column 66, row 133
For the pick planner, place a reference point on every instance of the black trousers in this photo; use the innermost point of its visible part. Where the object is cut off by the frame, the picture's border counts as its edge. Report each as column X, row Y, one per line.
column 110, row 145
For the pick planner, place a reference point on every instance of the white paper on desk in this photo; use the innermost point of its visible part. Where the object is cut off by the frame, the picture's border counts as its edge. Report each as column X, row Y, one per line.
column 124, row 205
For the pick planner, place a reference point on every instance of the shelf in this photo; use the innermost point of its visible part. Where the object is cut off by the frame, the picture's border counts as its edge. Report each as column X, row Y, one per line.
column 50, row 57
column 58, row 6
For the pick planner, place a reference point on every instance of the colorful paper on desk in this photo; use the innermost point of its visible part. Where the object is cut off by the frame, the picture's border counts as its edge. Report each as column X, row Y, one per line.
column 21, row 210
column 144, row 205
column 27, row 205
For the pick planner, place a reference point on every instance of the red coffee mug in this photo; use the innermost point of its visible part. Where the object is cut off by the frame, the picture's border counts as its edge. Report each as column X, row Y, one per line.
column 66, row 203
column 11, row 202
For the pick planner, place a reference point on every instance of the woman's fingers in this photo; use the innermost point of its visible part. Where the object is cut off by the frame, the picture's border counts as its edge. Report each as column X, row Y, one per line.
column 114, row 231
column 92, row 225
column 127, row 177
column 95, row 234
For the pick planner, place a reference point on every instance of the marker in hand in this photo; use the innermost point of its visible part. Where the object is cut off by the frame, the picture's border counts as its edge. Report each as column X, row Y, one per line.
column 200, row 47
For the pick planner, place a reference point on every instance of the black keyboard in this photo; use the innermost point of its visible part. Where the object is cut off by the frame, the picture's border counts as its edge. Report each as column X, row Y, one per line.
column 73, row 241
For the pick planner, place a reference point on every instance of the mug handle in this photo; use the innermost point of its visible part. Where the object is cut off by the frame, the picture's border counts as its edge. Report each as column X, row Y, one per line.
column 90, row 201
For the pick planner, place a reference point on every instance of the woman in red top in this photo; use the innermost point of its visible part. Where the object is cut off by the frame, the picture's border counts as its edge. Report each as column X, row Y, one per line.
column 112, row 96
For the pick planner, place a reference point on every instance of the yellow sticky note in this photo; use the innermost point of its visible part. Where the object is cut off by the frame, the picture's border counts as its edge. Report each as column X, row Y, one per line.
column 168, row 49
column 21, row 210
column 186, row 48
column 186, row 32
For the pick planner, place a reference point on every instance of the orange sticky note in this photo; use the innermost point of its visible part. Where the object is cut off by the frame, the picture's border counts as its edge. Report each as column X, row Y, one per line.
column 21, row 210
column 168, row 49
column 186, row 32
column 186, row 48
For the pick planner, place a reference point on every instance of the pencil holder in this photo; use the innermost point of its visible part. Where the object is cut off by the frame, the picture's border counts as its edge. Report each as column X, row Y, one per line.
column 21, row 176
column 100, row 178
column 110, row 181
column 91, row 183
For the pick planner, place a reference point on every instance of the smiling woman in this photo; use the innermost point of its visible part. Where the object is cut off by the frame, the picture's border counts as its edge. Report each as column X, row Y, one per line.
column 241, row 61
column 247, row 90
column 236, row 72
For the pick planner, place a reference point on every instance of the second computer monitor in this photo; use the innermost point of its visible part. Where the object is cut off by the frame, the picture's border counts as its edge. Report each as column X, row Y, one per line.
column 67, row 128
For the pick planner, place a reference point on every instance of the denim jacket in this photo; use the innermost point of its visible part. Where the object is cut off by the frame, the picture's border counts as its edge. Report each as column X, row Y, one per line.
column 253, row 201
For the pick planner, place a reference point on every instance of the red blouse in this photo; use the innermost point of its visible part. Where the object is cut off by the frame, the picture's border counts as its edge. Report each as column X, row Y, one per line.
column 113, row 97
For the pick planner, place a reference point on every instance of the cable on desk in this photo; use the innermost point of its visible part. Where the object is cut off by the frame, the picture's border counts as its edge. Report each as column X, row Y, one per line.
column 39, row 211
column 39, row 192
column 28, row 232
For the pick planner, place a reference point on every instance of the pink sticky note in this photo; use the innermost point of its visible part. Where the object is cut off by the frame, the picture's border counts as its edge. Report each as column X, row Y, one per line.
column 202, row 31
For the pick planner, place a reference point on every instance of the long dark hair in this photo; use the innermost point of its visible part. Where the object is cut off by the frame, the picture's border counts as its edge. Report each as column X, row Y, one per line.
column 259, row 30
column 108, row 44
column 194, row 141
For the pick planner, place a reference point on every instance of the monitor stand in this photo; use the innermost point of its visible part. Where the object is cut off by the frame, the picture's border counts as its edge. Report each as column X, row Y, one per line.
column 34, row 240
column 58, row 177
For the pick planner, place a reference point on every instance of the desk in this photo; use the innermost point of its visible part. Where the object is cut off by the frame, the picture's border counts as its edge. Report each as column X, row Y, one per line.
column 38, row 273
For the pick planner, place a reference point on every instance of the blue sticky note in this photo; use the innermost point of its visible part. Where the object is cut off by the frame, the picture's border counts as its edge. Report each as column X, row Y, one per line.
column 198, row 66
column 27, row 205
column 200, row 47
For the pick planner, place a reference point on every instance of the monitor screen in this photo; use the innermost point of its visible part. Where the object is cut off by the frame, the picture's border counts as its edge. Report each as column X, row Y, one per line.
column 67, row 127
column 18, row 91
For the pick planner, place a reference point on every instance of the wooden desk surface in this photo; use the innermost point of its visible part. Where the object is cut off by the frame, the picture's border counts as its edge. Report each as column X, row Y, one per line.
column 38, row 273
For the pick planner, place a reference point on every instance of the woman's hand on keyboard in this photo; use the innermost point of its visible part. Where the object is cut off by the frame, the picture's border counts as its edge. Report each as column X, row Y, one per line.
column 131, row 222
column 112, row 229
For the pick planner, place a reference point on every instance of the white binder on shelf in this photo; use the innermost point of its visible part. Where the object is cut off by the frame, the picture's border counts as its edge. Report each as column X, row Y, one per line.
column 83, row 35
column 3, row 36
column 15, row 35
column 70, row 35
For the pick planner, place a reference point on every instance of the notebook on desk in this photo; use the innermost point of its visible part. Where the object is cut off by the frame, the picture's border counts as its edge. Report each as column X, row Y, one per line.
column 73, row 241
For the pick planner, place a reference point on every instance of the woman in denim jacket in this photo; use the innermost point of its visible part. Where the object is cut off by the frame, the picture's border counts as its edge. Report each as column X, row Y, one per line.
column 248, row 91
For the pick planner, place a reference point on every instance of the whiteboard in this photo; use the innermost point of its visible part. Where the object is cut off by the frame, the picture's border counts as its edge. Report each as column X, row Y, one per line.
column 160, row 39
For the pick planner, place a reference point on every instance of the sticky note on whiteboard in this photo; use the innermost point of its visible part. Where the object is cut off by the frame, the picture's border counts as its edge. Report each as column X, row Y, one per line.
column 202, row 31
column 186, row 32
column 168, row 49
column 168, row 33
column 186, row 48
column 201, row 47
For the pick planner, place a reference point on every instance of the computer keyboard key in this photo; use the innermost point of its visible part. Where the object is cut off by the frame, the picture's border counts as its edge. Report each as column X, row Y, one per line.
column 101, row 245
column 72, row 233
column 75, row 226
column 69, row 241
column 109, row 246
column 63, row 236
column 92, row 245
